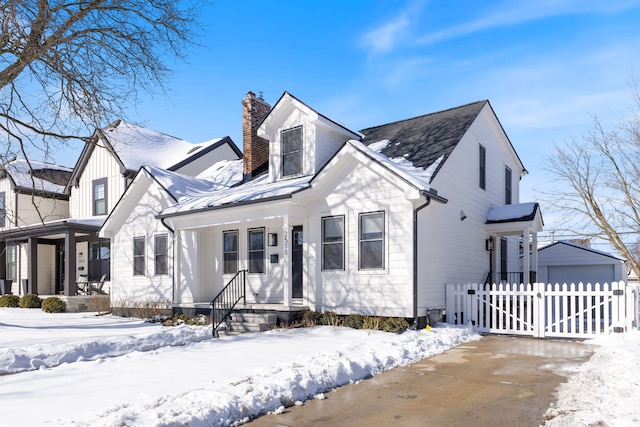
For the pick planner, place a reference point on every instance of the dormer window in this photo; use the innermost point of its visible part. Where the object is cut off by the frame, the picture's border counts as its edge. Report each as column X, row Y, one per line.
column 291, row 140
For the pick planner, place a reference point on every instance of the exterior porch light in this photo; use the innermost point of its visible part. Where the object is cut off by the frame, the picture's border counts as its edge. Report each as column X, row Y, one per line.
column 273, row 239
column 488, row 244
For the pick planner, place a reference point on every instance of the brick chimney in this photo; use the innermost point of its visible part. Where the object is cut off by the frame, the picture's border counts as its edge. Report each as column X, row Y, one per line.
column 255, row 149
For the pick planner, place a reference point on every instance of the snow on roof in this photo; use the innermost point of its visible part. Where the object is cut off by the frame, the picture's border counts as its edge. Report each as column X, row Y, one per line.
column 40, row 176
column 137, row 146
column 221, row 175
column 582, row 247
column 419, row 177
column 259, row 189
column 512, row 213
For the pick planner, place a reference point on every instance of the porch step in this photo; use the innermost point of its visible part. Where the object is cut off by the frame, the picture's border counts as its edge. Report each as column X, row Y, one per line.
column 242, row 323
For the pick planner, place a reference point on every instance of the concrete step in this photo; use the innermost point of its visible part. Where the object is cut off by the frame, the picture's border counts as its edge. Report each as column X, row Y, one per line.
column 255, row 317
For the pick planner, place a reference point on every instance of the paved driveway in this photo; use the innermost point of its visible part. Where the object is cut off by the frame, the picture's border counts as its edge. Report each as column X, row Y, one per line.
column 497, row 381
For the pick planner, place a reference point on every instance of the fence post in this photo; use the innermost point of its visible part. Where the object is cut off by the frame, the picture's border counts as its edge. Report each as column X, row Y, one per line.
column 538, row 310
column 618, row 306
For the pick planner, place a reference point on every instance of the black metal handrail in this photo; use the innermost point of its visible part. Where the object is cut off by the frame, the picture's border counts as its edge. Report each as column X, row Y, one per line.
column 224, row 303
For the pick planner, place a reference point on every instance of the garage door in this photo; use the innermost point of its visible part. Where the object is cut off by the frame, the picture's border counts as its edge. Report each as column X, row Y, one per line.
column 581, row 273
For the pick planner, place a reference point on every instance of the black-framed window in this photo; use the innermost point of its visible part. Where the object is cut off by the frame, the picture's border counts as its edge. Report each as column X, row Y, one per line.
column 333, row 243
column 230, row 251
column 504, row 261
column 482, row 167
column 161, row 255
column 138, row 256
column 99, row 260
column 3, row 212
column 291, row 151
column 12, row 261
column 371, row 240
column 507, row 186
column 100, row 196
column 256, row 250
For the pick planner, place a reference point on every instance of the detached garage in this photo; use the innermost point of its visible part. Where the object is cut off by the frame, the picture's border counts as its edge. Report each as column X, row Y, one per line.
column 566, row 262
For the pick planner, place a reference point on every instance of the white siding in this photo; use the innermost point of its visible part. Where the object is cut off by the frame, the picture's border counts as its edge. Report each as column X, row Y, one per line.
column 9, row 203
column 35, row 209
column 101, row 164
column 451, row 250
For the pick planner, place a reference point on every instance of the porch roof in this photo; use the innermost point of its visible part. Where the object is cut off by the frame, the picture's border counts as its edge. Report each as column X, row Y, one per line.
column 55, row 229
column 515, row 217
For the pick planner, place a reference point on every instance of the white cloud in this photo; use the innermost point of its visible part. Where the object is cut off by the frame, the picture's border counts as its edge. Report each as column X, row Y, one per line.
column 388, row 35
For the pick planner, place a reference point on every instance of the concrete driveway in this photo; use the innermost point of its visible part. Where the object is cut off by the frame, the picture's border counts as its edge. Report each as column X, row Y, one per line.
column 497, row 381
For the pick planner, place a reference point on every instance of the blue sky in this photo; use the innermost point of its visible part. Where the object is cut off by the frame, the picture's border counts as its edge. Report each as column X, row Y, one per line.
column 546, row 66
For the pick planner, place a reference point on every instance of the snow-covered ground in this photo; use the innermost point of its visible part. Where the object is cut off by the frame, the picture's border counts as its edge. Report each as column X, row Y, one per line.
column 82, row 369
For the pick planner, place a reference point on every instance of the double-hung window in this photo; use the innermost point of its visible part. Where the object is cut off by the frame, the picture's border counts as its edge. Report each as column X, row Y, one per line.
column 371, row 240
column 230, row 251
column 292, row 151
column 138, row 256
column 333, row 243
column 12, row 261
column 161, row 255
column 507, row 186
column 256, row 250
column 482, row 167
column 100, row 196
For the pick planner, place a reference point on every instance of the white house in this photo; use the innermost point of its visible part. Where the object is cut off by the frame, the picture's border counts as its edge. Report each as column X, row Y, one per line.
column 70, row 209
column 374, row 222
column 568, row 262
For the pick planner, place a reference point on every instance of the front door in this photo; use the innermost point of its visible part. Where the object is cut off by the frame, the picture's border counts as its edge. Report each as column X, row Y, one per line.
column 296, row 262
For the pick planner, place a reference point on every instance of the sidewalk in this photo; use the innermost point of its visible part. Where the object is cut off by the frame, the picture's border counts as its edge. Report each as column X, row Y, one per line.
column 497, row 381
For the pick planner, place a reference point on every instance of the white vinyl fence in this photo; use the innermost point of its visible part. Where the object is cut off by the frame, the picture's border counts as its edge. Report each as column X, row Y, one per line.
column 544, row 310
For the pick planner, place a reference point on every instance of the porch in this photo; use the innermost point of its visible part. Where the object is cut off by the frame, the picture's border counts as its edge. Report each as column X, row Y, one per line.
column 285, row 314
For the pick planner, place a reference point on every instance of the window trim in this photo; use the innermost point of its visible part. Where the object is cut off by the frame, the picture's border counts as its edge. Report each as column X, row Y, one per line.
column 94, row 184
column 3, row 209
column 137, row 256
column 508, row 185
column 236, row 252
column 324, row 243
column 382, row 240
column 250, row 231
column 482, row 167
column 12, row 273
column 156, row 255
column 299, row 152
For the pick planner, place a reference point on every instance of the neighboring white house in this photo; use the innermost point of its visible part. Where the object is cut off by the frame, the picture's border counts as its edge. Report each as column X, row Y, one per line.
column 56, row 244
column 567, row 262
column 374, row 222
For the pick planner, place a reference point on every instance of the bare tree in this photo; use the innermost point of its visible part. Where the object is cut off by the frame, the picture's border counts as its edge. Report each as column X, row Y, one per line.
column 599, row 182
column 69, row 66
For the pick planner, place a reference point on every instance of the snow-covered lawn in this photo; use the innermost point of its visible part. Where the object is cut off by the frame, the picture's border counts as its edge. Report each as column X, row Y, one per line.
column 62, row 369
column 82, row 369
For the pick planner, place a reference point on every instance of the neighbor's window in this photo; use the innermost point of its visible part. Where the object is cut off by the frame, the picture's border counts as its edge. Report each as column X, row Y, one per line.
column 333, row 243
column 230, row 251
column 99, row 260
column 100, row 196
column 256, row 250
column 3, row 213
column 482, row 167
column 161, row 246
column 138, row 256
column 292, row 151
column 371, row 237
column 507, row 186
column 12, row 261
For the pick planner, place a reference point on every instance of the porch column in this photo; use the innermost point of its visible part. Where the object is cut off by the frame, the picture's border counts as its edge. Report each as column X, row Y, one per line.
column 286, row 261
column 32, row 265
column 534, row 250
column 526, row 264
column 70, row 263
column 177, row 262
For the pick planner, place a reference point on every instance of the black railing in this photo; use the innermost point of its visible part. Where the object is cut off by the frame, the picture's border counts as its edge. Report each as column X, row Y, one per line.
column 224, row 303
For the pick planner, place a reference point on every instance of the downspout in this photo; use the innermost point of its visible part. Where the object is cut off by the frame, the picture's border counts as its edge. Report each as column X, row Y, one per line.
column 173, row 261
column 415, row 262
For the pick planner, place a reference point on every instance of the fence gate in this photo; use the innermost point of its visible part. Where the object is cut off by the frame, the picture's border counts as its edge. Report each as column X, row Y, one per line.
column 543, row 310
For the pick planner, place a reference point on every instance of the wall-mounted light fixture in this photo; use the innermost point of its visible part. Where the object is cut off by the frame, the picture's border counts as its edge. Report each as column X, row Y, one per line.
column 488, row 244
column 273, row 239
column 463, row 215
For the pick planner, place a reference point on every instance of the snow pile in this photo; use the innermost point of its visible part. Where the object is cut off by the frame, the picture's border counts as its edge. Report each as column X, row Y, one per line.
column 605, row 390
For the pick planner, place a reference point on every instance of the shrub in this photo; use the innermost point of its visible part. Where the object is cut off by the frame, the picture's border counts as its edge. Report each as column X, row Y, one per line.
column 9, row 301
column 330, row 318
column 355, row 321
column 311, row 318
column 30, row 301
column 394, row 324
column 53, row 305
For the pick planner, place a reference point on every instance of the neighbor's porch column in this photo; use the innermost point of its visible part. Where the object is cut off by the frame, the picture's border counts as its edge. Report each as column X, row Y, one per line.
column 70, row 263
column 526, row 254
column 32, row 265
column 286, row 261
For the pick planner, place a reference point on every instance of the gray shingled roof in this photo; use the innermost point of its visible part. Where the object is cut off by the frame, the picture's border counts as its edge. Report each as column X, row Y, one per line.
column 424, row 139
